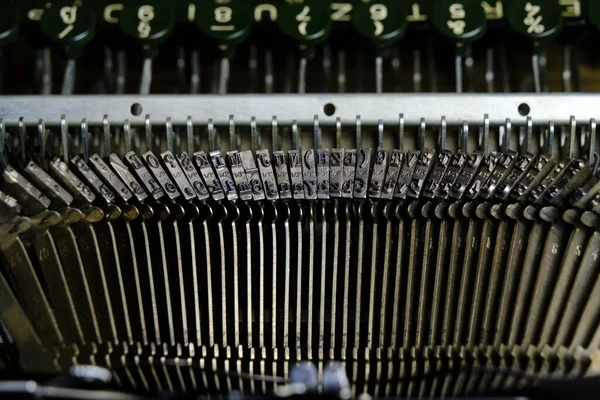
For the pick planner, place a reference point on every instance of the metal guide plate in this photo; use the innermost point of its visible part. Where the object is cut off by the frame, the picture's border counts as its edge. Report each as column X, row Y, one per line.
column 557, row 107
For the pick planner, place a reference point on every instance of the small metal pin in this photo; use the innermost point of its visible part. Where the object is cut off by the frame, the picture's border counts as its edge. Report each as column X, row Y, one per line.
column 378, row 75
column 341, row 75
column 463, row 138
column 380, row 133
column 64, row 137
column 269, row 77
column 459, row 73
column 169, row 131
column 302, row 76
column 275, row 134
column 41, row 130
column 508, row 134
column 195, row 72
column 69, row 78
column 442, row 135
column 121, row 72
column 85, row 141
column 421, row 135
column 146, row 81
column 23, row 139
column 294, row 135
column 254, row 139
column 212, row 140
column 338, row 133
column 224, row 75
column 2, row 140
column 106, row 136
column 189, row 130
column 502, row 138
column 489, row 70
column 400, row 138
column 318, row 137
column 233, row 141
column 417, row 73
column 358, row 132
column 570, row 143
column 592, row 140
column 550, row 137
column 485, row 145
column 528, row 135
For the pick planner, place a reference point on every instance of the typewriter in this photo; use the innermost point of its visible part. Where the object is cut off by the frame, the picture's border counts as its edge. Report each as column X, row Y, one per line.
column 299, row 198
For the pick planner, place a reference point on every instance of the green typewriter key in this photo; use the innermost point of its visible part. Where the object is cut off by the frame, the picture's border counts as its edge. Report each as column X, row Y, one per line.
column 150, row 23
column 419, row 12
column 71, row 24
column 307, row 22
column 539, row 21
column 384, row 23
column 227, row 22
column 463, row 21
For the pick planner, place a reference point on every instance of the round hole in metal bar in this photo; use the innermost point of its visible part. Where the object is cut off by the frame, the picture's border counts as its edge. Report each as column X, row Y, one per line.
column 524, row 109
column 329, row 109
column 136, row 109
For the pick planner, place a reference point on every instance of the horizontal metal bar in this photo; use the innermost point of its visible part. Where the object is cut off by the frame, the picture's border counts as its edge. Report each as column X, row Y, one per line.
column 302, row 108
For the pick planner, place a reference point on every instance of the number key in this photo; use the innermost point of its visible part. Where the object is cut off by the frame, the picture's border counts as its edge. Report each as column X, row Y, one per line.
column 306, row 21
column 383, row 21
column 227, row 22
column 462, row 20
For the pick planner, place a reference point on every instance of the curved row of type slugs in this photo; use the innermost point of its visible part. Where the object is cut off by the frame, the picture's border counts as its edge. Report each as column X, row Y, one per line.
column 468, row 212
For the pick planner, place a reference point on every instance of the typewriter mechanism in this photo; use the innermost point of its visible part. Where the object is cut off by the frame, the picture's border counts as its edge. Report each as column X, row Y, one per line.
column 299, row 198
